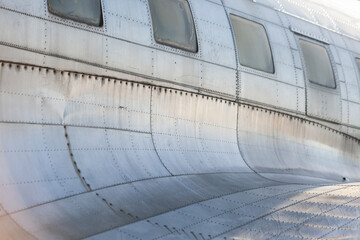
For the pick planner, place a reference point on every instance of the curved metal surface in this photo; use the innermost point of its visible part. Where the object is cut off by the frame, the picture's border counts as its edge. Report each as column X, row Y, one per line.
column 105, row 134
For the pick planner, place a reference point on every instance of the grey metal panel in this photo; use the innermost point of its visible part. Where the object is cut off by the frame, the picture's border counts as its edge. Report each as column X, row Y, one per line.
column 35, row 166
column 218, row 78
column 298, row 8
column 121, row 156
column 9, row 229
column 214, row 34
column 301, row 93
column 344, row 91
column 352, row 84
column 267, row 91
column 161, row 224
column 129, row 20
column 26, row 32
column 125, row 56
column 323, row 104
column 74, row 43
column 289, row 145
column 354, row 114
column 35, row 7
column 252, row 9
column 345, row 111
column 176, row 68
column 124, row 204
column 269, row 212
column 306, row 28
column 193, row 134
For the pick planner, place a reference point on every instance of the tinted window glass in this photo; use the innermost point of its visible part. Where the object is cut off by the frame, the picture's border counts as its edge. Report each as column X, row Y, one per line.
column 85, row 11
column 358, row 63
column 253, row 44
column 173, row 24
column 318, row 65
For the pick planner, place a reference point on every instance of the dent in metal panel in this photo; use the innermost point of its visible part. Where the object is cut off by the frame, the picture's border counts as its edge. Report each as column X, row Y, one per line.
column 121, row 156
column 218, row 78
column 177, row 69
column 108, row 103
column 35, row 166
column 191, row 138
column 129, row 20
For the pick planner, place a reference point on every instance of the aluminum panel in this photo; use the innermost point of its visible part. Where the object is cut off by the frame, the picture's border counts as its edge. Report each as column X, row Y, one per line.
column 129, row 20
column 354, row 114
column 176, row 68
column 75, row 43
column 9, row 229
column 323, row 104
column 26, row 32
column 345, row 111
column 306, row 28
column 301, row 93
column 250, row 8
column 35, row 7
column 269, row 212
column 214, row 34
column 292, row 145
column 343, row 89
column 35, row 166
column 185, row 128
column 121, row 156
column 124, row 204
column 256, row 88
column 218, row 79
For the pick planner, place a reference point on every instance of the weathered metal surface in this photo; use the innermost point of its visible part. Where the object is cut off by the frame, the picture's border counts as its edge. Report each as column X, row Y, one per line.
column 106, row 134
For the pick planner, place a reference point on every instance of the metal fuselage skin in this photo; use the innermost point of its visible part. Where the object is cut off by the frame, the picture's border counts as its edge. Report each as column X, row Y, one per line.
column 102, row 127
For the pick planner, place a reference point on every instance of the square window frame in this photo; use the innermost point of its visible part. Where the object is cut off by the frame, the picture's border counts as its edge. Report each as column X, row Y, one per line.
column 261, row 73
column 326, row 45
column 172, row 48
column 72, row 22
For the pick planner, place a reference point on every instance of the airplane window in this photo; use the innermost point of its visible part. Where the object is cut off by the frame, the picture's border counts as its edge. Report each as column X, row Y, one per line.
column 84, row 11
column 253, row 44
column 318, row 65
column 173, row 24
column 358, row 63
